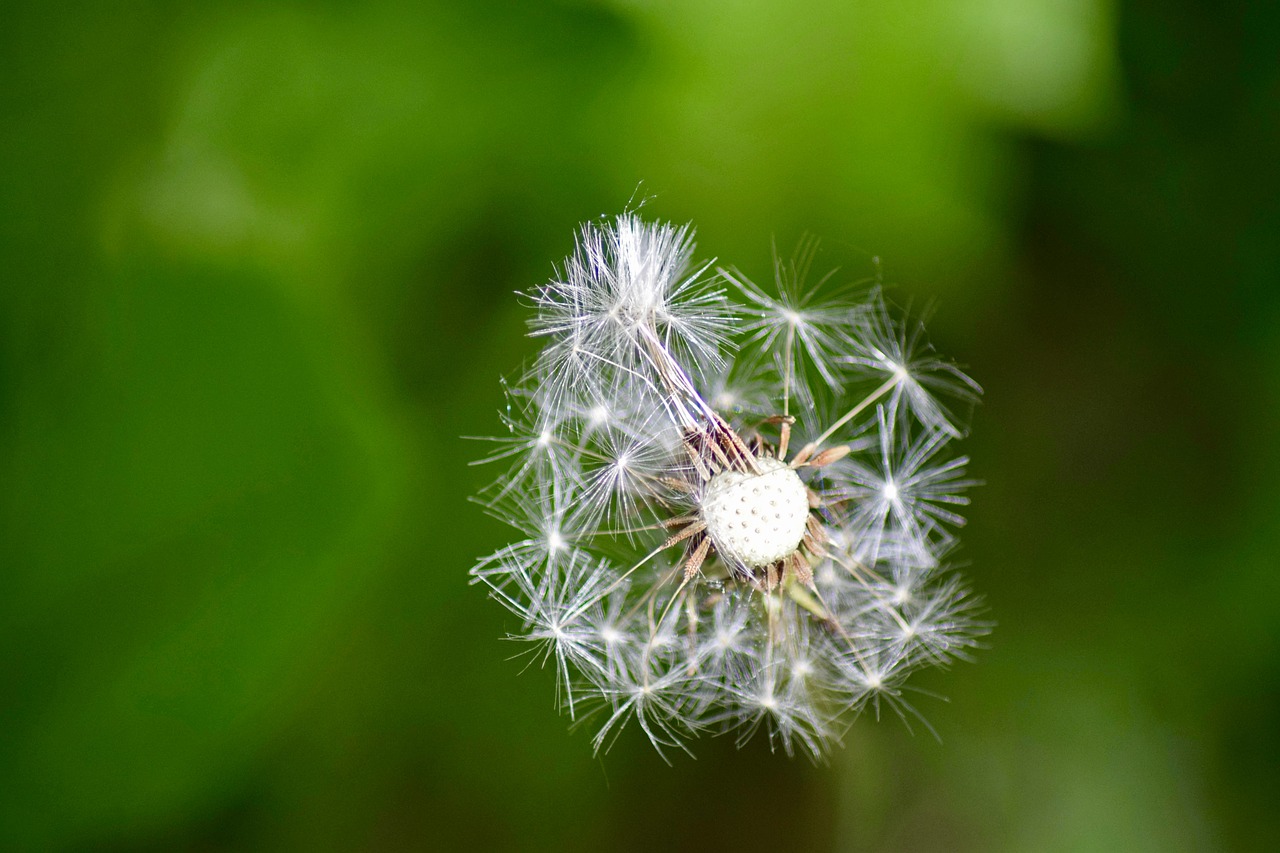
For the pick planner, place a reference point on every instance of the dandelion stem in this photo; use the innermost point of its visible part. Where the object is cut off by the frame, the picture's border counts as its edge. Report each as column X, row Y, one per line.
column 611, row 587
column 888, row 386
column 788, row 368
column 887, row 602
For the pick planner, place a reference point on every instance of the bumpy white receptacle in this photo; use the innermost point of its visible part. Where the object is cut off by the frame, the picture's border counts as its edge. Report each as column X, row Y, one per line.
column 756, row 519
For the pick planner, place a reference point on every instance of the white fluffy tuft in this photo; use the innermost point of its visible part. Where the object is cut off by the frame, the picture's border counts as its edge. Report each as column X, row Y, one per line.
column 667, row 564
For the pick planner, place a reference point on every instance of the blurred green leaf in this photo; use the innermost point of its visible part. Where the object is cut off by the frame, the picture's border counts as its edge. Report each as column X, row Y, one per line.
column 196, row 502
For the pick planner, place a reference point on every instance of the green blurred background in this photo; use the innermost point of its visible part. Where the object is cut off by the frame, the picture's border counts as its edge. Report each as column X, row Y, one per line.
column 256, row 276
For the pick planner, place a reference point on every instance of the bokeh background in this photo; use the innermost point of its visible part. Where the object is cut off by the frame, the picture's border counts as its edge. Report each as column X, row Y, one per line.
column 257, row 265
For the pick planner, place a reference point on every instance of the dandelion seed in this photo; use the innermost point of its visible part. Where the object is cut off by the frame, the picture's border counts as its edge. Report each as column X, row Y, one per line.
column 716, row 531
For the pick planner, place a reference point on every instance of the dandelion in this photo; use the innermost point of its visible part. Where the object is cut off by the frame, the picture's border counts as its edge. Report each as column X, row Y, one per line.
column 734, row 503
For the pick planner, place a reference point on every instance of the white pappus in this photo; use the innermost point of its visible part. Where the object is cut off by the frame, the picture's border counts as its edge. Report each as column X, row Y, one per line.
column 733, row 503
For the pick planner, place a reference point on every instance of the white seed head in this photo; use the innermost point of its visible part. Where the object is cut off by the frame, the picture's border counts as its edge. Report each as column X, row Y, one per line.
column 658, row 513
column 756, row 519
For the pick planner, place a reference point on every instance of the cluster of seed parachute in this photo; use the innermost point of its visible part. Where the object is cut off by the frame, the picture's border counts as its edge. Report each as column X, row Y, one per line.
column 611, row 438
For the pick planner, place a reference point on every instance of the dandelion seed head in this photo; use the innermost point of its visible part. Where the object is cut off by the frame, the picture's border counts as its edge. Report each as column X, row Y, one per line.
column 733, row 502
